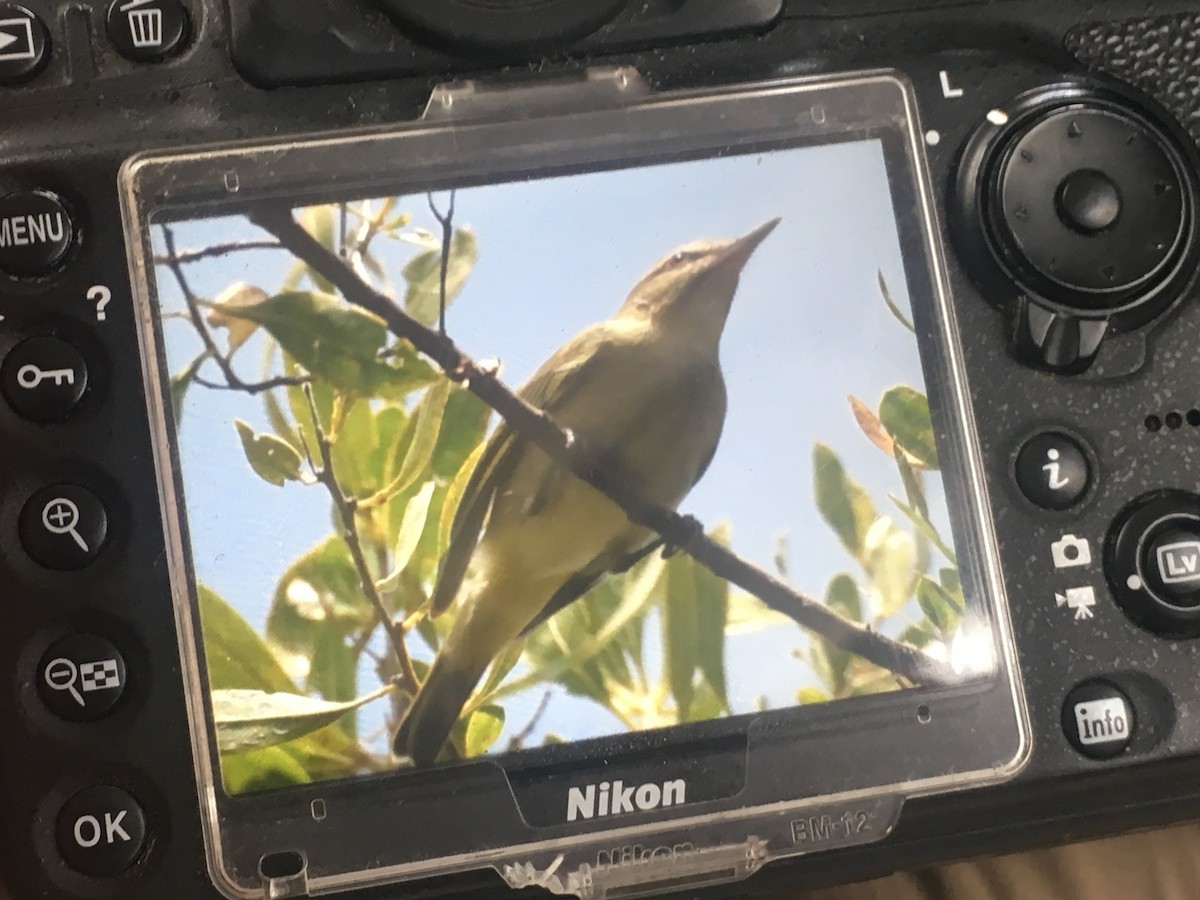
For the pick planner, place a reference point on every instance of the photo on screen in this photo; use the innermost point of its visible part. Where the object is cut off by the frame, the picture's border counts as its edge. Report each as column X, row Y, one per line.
column 391, row 576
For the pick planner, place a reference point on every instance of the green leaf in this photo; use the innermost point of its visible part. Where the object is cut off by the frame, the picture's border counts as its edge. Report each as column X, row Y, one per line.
column 334, row 674
column 484, row 730
column 712, row 615
column 501, row 666
column 843, row 597
column 273, row 459
column 181, row 381
column 267, row 769
column 464, row 426
column 681, row 639
column 426, row 425
column 939, row 607
column 223, row 313
column 319, row 592
column 748, row 614
column 919, row 635
column 891, row 304
column 891, row 556
column 248, row 720
column 338, row 343
column 412, row 526
column 424, row 276
column 809, row 695
column 356, row 439
column 454, row 495
column 843, row 503
column 319, row 222
column 236, row 656
column 924, row 528
column 905, row 414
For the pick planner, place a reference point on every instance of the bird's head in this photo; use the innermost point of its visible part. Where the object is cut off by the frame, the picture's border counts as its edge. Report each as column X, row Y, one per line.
column 693, row 287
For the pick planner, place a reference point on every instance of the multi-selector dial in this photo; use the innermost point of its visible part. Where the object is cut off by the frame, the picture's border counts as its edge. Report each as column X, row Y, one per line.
column 1088, row 205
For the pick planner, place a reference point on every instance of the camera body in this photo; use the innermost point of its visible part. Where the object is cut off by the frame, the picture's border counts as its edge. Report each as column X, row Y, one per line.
column 1059, row 144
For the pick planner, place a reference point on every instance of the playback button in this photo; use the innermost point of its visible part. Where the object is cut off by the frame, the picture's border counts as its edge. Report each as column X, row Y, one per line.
column 23, row 44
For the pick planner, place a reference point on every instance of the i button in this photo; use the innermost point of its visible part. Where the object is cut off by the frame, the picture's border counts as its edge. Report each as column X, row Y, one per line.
column 1053, row 471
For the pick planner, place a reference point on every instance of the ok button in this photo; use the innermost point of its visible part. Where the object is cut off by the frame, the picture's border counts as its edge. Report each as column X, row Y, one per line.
column 101, row 831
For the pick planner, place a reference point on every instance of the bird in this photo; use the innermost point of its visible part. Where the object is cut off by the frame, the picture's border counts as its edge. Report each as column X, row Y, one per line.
column 644, row 393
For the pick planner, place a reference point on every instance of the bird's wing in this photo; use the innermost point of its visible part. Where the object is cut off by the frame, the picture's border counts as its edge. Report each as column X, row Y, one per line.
column 558, row 379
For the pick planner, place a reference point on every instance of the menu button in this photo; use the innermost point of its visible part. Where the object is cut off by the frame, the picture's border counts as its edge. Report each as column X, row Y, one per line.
column 35, row 233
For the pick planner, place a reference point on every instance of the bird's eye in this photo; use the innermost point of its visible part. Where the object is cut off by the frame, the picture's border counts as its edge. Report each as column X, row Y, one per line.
column 678, row 258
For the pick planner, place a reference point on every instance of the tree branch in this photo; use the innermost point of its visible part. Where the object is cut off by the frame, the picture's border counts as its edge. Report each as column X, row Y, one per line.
column 446, row 220
column 191, row 256
column 564, row 448
column 347, row 511
column 233, row 382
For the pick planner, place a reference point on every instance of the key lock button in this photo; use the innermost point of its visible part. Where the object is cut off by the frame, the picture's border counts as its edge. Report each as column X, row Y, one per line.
column 43, row 379
column 1089, row 206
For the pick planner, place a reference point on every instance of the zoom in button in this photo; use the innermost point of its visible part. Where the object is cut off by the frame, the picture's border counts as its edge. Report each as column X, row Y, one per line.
column 63, row 527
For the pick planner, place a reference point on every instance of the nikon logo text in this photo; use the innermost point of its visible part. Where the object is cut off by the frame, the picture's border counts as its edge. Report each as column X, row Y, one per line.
column 613, row 799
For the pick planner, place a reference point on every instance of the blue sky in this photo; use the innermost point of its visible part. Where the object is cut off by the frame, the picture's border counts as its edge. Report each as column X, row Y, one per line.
column 807, row 328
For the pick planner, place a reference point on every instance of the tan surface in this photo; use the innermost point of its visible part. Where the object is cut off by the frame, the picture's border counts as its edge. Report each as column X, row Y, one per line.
column 1158, row 865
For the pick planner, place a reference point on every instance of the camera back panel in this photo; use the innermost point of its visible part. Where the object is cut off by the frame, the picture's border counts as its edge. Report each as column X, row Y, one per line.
column 1060, row 152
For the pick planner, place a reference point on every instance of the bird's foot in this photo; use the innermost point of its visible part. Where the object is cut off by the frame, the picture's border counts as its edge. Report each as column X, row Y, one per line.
column 694, row 528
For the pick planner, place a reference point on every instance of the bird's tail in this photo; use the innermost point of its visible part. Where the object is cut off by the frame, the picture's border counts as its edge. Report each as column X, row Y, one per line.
column 436, row 708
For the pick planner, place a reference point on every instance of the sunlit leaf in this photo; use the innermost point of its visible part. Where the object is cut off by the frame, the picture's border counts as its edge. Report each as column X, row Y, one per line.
column 843, row 503
column 869, row 422
column 464, row 426
column 427, row 425
column 334, row 673
column 484, row 729
column 681, row 649
column 424, row 276
column 749, row 614
column 712, row 615
column 810, row 695
column 266, row 769
column 412, row 526
column 891, row 557
column 273, row 459
column 223, row 313
column 247, row 720
column 924, row 528
column 905, row 414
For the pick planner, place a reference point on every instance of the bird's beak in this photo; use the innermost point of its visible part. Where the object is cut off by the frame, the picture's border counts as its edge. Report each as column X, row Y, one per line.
column 740, row 251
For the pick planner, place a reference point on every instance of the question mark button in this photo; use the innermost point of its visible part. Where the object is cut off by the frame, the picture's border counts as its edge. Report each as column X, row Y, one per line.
column 43, row 379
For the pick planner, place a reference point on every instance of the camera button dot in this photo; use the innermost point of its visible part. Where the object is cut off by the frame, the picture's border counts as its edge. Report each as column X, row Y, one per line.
column 1098, row 719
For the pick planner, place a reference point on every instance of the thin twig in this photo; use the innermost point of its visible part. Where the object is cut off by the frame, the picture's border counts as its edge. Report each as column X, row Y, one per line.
column 567, row 450
column 346, row 508
column 232, row 380
column 446, row 220
column 190, row 256
column 517, row 741
column 255, row 387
